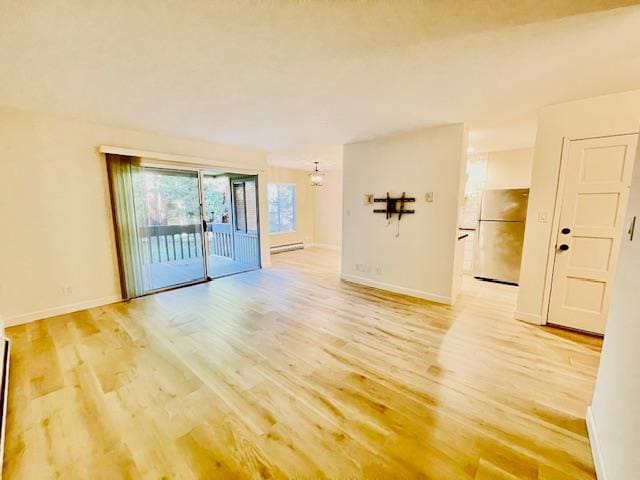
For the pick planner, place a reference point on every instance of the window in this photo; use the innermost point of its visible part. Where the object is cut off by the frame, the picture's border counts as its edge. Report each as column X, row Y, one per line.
column 282, row 207
column 241, row 212
column 245, row 206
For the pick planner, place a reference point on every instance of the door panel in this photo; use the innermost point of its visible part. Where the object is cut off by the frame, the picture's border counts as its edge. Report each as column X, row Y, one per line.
column 590, row 253
column 170, row 227
column 597, row 176
column 218, row 215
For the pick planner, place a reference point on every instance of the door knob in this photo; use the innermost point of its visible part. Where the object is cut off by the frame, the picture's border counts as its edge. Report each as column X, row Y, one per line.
column 564, row 247
column 566, row 230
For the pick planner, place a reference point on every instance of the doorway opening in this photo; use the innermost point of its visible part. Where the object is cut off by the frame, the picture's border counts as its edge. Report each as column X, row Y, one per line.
column 492, row 222
column 230, row 210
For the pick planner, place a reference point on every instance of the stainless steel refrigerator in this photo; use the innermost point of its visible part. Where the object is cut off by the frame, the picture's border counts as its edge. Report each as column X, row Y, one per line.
column 501, row 234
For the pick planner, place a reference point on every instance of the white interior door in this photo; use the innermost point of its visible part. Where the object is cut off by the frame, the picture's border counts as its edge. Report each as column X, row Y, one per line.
column 597, row 177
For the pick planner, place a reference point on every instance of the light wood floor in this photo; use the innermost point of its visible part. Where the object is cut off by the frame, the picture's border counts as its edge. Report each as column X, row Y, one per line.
column 291, row 373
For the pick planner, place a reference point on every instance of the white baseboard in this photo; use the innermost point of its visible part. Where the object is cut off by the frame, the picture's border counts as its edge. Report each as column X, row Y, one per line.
column 287, row 247
column 595, row 446
column 328, row 246
column 60, row 310
column 397, row 289
column 534, row 318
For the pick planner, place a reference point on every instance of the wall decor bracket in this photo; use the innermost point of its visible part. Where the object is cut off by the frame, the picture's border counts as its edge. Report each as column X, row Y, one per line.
column 394, row 205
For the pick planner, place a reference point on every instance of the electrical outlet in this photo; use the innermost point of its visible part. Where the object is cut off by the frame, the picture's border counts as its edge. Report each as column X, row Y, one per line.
column 66, row 290
column 378, row 270
column 428, row 197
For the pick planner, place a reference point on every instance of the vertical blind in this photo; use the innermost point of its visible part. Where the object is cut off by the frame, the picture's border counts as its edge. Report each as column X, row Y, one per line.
column 123, row 172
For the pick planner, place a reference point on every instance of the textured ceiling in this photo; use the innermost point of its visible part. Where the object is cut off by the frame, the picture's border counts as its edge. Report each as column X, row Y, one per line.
column 294, row 76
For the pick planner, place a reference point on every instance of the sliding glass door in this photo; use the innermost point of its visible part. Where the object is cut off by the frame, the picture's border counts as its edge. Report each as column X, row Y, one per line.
column 170, row 227
column 177, row 227
column 231, row 219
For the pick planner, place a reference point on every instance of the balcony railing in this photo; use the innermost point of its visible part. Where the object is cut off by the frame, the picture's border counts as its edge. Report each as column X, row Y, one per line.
column 168, row 243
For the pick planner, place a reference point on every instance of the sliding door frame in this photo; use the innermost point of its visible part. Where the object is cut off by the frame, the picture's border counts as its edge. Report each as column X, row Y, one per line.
column 201, row 170
column 203, row 232
column 243, row 178
column 205, row 277
column 232, row 179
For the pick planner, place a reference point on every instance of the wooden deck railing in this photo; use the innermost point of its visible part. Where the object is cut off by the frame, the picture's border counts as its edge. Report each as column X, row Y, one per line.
column 168, row 243
column 220, row 239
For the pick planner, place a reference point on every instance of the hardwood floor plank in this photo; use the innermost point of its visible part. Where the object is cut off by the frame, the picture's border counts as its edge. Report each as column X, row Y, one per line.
column 291, row 373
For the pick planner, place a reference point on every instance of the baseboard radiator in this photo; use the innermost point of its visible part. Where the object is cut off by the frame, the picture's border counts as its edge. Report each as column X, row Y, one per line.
column 4, row 392
column 287, row 247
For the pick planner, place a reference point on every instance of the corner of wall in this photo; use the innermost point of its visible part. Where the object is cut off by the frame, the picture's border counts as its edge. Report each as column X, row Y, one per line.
column 422, row 261
column 595, row 445
column 60, row 310
column 326, row 246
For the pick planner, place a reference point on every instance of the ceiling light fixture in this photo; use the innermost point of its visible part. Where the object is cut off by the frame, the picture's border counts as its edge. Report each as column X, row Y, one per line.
column 316, row 178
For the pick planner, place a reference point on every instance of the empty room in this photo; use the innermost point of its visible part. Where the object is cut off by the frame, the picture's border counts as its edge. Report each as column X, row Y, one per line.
column 320, row 239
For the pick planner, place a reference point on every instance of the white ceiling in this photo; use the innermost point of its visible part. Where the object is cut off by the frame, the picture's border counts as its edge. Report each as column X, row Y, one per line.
column 299, row 78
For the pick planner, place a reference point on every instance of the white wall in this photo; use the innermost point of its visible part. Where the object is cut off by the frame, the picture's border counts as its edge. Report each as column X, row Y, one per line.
column 509, row 168
column 614, row 420
column 55, row 210
column 600, row 116
column 420, row 261
column 327, row 210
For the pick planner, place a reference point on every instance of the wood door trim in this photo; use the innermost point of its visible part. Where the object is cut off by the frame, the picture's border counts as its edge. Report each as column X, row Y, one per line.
column 553, row 238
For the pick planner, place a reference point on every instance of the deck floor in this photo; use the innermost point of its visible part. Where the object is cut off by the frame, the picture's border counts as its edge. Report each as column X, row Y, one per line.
column 176, row 272
column 289, row 372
